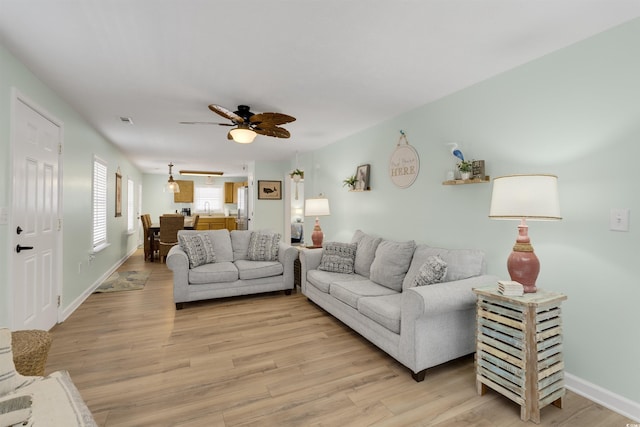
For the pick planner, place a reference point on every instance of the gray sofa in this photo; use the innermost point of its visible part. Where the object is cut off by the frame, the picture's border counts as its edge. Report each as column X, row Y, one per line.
column 232, row 273
column 419, row 326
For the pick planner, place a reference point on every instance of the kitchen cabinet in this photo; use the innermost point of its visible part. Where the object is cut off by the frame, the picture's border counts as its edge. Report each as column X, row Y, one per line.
column 231, row 191
column 216, row 223
column 186, row 192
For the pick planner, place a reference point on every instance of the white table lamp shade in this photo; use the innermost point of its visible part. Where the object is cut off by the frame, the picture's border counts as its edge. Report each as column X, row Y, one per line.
column 533, row 197
column 316, row 207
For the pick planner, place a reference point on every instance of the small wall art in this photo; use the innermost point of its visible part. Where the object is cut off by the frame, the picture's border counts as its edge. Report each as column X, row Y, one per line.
column 362, row 178
column 269, row 190
column 404, row 163
column 118, row 193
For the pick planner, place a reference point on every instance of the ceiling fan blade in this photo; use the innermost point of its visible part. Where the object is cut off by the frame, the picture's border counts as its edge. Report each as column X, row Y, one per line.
column 227, row 114
column 207, row 123
column 274, row 131
column 271, row 119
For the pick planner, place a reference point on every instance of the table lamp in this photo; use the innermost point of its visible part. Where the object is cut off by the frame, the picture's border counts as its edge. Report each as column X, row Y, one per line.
column 522, row 197
column 317, row 206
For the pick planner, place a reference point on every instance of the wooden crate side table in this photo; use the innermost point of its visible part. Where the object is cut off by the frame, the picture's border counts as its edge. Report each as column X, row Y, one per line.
column 519, row 348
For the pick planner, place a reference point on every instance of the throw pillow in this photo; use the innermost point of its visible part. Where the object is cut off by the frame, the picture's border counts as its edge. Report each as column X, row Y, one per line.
column 391, row 263
column 365, row 253
column 10, row 379
column 432, row 271
column 198, row 247
column 338, row 257
column 263, row 246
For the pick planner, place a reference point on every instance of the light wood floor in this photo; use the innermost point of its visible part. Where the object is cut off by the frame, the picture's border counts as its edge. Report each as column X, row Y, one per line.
column 266, row 360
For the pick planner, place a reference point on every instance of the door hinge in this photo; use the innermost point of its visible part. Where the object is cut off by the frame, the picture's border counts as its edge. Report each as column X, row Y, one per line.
column 59, row 224
column 59, row 300
column 59, row 148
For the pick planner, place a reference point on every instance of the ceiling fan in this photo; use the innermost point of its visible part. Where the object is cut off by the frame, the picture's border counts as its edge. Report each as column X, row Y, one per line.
column 248, row 124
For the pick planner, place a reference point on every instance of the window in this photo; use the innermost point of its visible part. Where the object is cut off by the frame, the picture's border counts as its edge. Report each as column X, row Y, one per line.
column 131, row 221
column 208, row 198
column 99, row 203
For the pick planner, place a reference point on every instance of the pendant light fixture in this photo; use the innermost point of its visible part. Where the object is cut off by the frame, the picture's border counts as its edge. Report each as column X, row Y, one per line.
column 172, row 186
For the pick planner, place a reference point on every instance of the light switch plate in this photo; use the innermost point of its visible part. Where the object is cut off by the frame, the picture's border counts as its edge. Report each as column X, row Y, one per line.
column 619, row 219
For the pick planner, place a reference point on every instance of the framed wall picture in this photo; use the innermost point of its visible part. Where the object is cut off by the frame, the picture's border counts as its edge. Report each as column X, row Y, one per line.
column 269, row 190
column 118, row 194
column 362, row 176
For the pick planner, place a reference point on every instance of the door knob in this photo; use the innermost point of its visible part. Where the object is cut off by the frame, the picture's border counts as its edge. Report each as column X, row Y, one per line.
column 23, row 248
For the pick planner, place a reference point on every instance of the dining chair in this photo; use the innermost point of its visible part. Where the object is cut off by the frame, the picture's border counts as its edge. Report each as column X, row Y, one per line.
column 151, row 245
column 195, row 221
column 169, row 227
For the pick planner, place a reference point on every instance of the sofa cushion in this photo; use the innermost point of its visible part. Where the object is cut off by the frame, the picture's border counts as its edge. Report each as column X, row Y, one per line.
column 198, row 247
column 432, row 271
column 323, row 279
column 220, row 239
column 351, row 291
column 258, row 269
column 213, row 273
column 263, row 246
column 391, row 263
column 240, row 243
column 338, row 257
column 365, row 252
column 461, row 263
column 384, row 310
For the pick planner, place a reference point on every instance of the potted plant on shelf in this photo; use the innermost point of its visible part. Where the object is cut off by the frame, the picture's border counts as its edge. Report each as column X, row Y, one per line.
column 465, row 167
column 350, row 182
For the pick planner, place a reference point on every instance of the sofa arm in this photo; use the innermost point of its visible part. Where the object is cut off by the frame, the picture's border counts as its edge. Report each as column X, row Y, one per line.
column 309, row 260
column 287, row 254
column 443, row 297
column 178, row 262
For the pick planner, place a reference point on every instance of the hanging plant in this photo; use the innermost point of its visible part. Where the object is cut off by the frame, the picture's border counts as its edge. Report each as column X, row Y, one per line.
column 297, row 175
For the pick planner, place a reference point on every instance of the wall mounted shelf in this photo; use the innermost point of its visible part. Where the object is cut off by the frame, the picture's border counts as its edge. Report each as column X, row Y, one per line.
column 468, row 181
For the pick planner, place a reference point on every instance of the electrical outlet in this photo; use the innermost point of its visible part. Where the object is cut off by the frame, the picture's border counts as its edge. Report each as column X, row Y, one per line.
column 619, row 219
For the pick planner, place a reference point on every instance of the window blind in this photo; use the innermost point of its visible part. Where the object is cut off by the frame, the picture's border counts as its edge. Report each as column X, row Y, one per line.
column 99, row 202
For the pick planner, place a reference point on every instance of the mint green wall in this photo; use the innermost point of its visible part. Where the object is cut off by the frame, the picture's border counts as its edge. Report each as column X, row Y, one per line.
column 574, row 113
column 81, row 143
column 269, row 214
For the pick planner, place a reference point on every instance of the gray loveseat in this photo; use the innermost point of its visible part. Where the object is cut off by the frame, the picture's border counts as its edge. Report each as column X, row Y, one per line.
column 232, row 273
column 419, row 326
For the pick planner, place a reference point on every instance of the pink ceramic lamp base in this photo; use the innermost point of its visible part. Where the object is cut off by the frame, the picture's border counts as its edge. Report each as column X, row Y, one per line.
column 523, row 264
column 317, row 236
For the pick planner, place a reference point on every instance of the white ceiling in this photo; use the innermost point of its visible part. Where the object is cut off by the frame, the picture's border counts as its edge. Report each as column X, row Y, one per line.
column 338, row 66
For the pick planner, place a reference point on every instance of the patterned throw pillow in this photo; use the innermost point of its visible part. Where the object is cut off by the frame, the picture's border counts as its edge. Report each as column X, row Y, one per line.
column 199, row 249
column 338, row 257
column 432, row 271
column 263, row 246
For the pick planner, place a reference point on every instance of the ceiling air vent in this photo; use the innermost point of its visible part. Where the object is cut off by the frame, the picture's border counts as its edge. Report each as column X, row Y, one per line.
column 126, row 120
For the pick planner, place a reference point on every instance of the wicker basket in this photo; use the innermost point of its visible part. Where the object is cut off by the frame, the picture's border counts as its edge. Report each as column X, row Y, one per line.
column 30, row 350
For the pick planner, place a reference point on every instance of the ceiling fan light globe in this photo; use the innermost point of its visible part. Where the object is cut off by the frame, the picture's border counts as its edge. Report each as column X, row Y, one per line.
column 243, row 135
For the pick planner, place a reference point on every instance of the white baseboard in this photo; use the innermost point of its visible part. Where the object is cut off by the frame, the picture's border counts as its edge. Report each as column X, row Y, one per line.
column 601, row 396
column 73, row 306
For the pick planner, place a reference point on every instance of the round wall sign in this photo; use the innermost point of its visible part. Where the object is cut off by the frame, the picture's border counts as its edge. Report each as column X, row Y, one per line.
column 404, row 163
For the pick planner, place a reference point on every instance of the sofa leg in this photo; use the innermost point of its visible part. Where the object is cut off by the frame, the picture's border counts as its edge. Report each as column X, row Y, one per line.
column 419, row 376
column 287, row 291
column 179, row 305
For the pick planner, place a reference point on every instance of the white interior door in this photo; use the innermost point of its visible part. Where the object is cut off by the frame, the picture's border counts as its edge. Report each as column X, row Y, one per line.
column 35, row 229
